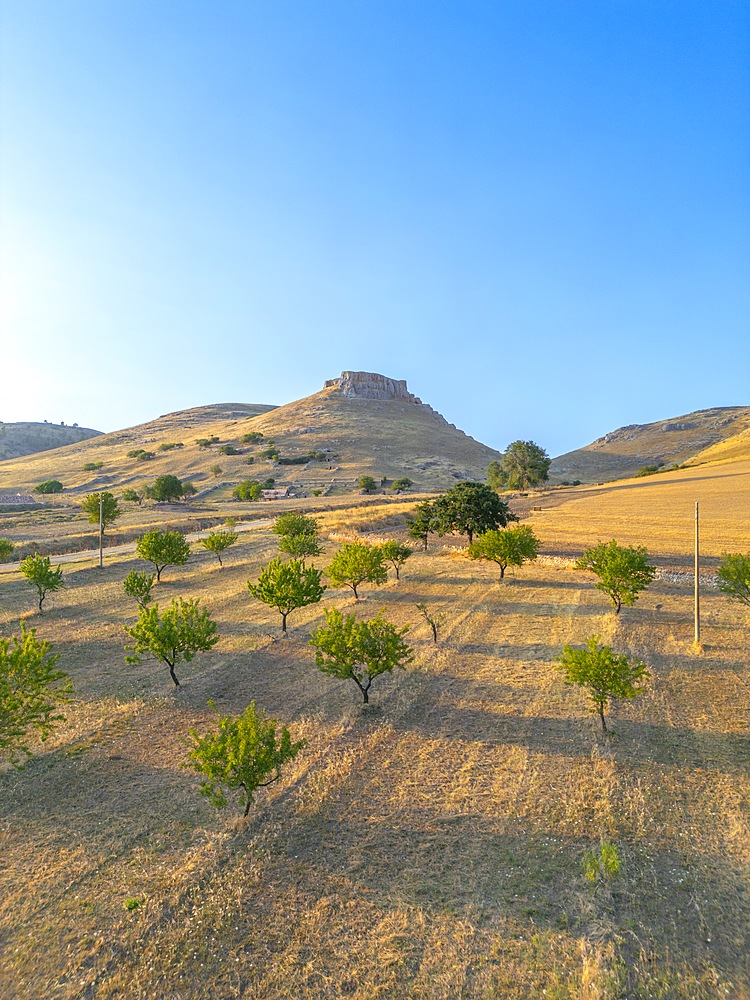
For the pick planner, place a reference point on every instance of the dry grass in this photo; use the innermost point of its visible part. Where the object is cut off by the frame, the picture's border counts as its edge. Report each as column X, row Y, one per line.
column 428, row 848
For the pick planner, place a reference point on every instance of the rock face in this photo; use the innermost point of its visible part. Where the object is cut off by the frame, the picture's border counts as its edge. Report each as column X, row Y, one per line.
column 369, row 385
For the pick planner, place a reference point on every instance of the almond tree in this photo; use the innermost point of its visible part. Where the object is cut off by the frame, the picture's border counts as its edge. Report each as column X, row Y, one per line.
column 183, row 630
column 357, row 563
column 287, row 586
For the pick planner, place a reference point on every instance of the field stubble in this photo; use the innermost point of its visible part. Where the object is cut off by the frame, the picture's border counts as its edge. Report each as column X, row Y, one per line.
column 429, row 847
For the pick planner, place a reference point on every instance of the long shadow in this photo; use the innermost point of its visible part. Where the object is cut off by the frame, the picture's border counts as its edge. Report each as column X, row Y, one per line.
column 627, row 740
column 503, row 651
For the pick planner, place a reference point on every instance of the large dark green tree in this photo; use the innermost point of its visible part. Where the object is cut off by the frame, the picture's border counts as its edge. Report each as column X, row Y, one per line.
column 165, row 488
column 524, row 464
column 470, row 509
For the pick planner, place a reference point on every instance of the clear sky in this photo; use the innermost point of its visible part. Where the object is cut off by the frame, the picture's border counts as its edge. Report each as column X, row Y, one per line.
column 535, row 211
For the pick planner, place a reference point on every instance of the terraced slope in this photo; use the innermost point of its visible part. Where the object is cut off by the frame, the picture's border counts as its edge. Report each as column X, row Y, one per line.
column 623, row 452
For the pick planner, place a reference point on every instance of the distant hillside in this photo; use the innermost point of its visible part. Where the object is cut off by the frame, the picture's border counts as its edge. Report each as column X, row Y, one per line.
column 26, row 438
column 623, row 452
column 358, row 424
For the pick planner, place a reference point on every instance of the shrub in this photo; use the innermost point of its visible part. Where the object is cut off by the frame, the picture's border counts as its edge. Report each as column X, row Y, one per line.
column 49, row 486
column 131, row 496
column 145, row 456
column 247, row 753
column 228, row 449
column 252, row 437
column 170, row 445
column 249, row 489
column 92, row 466
column 601, row 865
column 6, row 549
column 206, row 442
column 166, row 488
column 270, row 453
column 401, row 485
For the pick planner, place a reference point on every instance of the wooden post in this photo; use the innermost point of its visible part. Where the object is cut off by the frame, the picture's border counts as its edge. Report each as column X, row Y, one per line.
column 697, row 599
column 101, row 529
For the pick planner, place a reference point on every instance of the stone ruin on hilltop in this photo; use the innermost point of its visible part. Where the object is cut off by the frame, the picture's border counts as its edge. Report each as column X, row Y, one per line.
column 370, row 385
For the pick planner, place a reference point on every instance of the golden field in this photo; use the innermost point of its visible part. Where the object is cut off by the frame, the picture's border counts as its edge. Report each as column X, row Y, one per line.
column 429, row 847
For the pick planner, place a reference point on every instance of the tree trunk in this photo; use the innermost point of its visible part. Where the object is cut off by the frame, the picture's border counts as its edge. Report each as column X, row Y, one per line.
column 218, row 556
column 283, row 620
column 354, row 588
column 433, row 626
column 158, row 573
column 42, row 595
column 502, row 571
column 601, row 716
column 397, row 573
column 172, row 674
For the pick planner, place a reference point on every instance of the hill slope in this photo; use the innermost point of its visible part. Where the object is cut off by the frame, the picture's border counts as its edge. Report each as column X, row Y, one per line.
column 365, row 424
column 623, row 452
column 28, row 437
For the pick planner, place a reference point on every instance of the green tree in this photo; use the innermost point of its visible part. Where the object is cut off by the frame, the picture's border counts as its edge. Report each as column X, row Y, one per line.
column 287, row 586
column 163, row 548
column 604, row 674
column 356, row 563
column 470, row 509
column 188, row 490
column 525, row 464
column 218, row 541
column 132, row 496
column 734, row 576
column 138, row 585
column 6, row 549
column 401, row 485
column 510, row 547
column 248, row 489
column 623, row 571
column 247, row 753
column 496, row 478
column 31, row 692
column 183, row 630
column 396, row 554
column 360, row 651
column 298, row 534
column 423, row 523
column 39, row 573
column 367, row 484
column 166, row 489
column 49, row 486
column 110, row 509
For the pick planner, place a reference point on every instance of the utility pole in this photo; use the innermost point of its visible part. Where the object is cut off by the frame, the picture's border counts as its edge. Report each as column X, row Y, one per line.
column 101, row 529
column 697, row 609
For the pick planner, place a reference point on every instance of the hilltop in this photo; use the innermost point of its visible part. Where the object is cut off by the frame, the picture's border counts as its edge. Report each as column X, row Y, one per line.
column 28, row 437
column 704, row 435
column 358, row 424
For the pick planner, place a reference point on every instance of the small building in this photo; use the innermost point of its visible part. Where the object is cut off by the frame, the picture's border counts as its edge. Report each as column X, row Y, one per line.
column 280, row 494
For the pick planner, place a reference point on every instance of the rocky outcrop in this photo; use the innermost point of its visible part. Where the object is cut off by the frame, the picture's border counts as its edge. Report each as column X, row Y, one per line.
column 369, row 385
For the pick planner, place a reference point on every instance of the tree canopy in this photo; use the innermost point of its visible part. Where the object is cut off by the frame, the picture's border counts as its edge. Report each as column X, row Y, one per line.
column 623, row 571
column 470, row 509
column 218, row 542
column 604, row 674
column 396, row 554
column 360, row 651
column 247, row 753
column 165, row 488
column 287, row 586
column 40, row 574
column 109, row 508
column 524, row 464
column 163, row 548
column 32, row 690
column 513, row 546
column 734, row 576
column 422, row 523
column 177, row 634
column 356, row 563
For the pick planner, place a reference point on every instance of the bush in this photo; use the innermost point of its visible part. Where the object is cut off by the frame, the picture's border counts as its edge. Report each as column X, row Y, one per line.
column 145, row 456
column 294, row 460
column 602, row 865
column 253, row 437
column 206, row 442
column 6, row 549
column 170, row 445
column 270, row 453
column 401, row 485
column 649, row 470
column 246, row 754
column 49, row 486
column 92, row 466
column 228, row 449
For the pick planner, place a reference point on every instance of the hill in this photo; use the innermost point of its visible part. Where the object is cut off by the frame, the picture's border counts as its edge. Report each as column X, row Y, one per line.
column 28, row 437
column 358, row 424
column 623, row 452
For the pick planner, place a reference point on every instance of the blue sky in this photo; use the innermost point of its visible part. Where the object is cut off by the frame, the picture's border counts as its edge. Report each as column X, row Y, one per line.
column 536, row 212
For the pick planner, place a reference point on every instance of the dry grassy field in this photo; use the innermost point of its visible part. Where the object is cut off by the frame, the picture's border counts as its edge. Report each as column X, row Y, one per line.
column 429, row 847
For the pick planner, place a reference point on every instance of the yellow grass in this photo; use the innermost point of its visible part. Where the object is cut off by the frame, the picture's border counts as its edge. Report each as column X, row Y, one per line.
column 427, row 848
